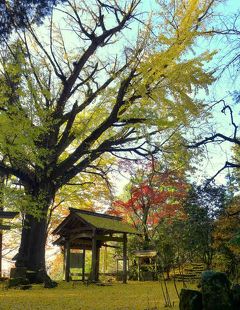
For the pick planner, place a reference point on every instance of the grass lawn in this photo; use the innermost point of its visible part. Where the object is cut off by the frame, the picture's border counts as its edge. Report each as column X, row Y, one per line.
column 76, row 296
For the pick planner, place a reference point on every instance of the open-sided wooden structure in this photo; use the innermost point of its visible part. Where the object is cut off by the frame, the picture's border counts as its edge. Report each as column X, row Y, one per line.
column 87, row 230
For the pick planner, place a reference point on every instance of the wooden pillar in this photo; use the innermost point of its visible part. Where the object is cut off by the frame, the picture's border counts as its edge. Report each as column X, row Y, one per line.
column 94, row 257
column 83, row 265
column 104, row 261
column 67, row 260
column 97, row 260
column 124, row 258
column 138, row 268
column 64, row 261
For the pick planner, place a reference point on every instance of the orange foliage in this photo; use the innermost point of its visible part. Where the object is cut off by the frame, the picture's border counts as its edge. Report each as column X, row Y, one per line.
column 159, row 195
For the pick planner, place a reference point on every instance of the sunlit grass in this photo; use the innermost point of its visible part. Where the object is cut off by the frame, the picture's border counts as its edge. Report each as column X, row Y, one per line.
column 76, row 296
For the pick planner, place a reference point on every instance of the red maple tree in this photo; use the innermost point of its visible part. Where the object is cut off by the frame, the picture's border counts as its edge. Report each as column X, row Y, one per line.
column 154, row 196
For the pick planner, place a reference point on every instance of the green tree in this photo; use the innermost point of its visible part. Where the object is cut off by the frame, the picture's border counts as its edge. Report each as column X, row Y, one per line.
column 66, row 104
column 189, row 237
column 170, row 242
column 227, row 238
column 202, row 208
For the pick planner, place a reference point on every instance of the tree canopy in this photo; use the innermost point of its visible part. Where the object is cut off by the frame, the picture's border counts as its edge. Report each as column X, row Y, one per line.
column 18, row 14
column 53, row 95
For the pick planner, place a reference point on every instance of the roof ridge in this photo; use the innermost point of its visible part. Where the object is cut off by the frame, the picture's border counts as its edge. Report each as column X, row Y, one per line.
column 112, row 217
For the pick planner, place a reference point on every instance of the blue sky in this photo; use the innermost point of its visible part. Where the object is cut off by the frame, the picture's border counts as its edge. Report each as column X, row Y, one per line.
column 216, row 155
column 222, row 89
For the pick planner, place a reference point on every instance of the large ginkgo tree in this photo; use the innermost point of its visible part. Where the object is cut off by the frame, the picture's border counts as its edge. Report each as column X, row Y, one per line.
column 96, row 79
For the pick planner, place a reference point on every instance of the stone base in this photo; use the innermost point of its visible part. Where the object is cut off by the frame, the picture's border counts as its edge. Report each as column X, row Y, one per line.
column 32, row 276
column 190, row 300
column 18, row 272
column 21, row 283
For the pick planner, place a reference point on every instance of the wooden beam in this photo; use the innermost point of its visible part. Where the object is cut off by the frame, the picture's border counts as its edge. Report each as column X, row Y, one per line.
column 89, row 236
column 81, row 247
column 81, row 235
column 81, row 242
column 109, row 238
column 67, row 261
column 61, row 241
column 111, row 246
column 124, row 258
column 68, row 231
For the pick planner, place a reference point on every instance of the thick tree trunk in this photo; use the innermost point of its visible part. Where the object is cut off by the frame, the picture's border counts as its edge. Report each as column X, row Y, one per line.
column 31, row 253
column 32, row 249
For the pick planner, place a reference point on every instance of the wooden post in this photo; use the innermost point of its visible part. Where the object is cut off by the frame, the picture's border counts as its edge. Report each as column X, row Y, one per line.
column 97, row 261
column 124, row 258
column 64, row 261
column 67, row 260
column 138, row 268
column 94, row 257
column 105, row 260
column 83, row 265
